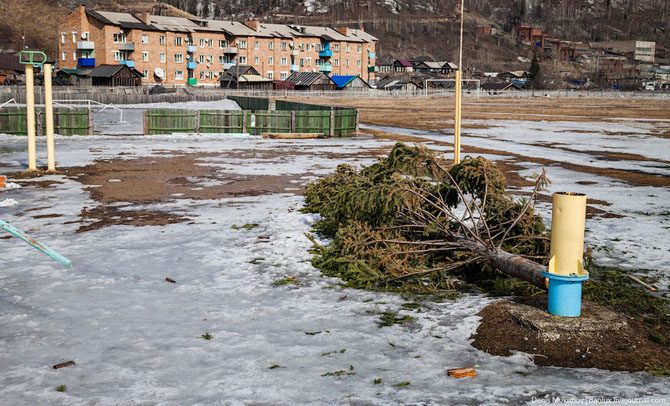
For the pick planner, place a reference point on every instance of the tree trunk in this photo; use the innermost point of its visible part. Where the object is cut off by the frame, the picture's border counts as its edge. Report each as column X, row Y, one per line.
column 509, row 264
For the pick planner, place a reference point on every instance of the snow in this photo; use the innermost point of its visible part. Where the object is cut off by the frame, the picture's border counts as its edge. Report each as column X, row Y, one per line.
column 136, row 338
column 8, row 202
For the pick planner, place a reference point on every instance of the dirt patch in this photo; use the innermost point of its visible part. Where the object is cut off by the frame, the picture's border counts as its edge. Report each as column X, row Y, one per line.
column 42, row 184
column 47, row 216
column 628, row 346
column 165, row 179
column 104, row 216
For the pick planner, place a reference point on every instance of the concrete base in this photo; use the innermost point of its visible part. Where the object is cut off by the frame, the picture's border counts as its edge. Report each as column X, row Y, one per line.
column 293, row 136
column 594, row 319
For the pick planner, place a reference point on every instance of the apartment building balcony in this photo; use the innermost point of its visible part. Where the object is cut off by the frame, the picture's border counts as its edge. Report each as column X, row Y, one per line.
column 325, row 68
column 371, row 55
column 86, row 62
column 229, row 50
column 295, row 52
column 192, row 81
column 326, row 53
column 129, row 63
column 126, row 46
column 85, row 45
column 295, row 68
column 190, row 65
column 191, row 49
column 228, row 65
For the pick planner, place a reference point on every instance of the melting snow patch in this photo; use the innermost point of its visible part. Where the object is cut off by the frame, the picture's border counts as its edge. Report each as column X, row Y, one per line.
column 8, row 203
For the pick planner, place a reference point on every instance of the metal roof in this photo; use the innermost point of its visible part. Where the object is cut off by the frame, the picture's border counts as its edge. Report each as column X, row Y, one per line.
column 107, row 71
column 342, row 81
column 305, row 78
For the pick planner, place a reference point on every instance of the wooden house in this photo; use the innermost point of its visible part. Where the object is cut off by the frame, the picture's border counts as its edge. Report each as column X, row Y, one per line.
column 244, row 77
column 115, row 75
column 311, row 81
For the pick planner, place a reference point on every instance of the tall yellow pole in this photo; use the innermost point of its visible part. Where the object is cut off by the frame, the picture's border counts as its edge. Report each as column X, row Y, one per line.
column 568, row 220
column 30, row 118
column 459, row 94
column 49, row 115
column 457, row 119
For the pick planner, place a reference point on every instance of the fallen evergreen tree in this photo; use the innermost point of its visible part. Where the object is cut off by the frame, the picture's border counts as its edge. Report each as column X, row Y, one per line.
column 413, row 222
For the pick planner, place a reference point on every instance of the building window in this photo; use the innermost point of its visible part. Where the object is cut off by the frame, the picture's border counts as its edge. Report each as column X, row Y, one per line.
column 257, row 45
column 117, row 56
column 242, row 44
column 308, row 47
column 336, row 62
column 283, row 75
column 284, row 61
column 145, row 56
column 210, row 58
column 358, row 64
column 202, row 74
column 302, row 62
column 145, row 74
column 62, row 56
column 271, row 61
column 282, row 46
column 271, row 75
column 119, row 38
column 221, row 59
column 210, row 43
column 271, row 45
column 62, row 37
column 145, row 39
column 162, row 57
column 360, row 48
column 178, row 58
column 210, row 75
column 336, row 48
column 257, row 61
column 243, row 60
column 201, row 58
column 223, row 43
column 161, row 40
column 178, row 75
column 203, row 42
column 74, row 36
column 177, row 41
column 348, row 47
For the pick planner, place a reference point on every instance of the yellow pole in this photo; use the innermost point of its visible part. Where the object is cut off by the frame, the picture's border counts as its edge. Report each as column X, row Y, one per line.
column 30, row 118
column 568, row 220
column 49, row 115
column 457, row 119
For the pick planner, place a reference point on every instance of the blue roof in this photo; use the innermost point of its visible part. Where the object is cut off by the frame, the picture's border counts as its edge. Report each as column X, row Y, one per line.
column 342, row 81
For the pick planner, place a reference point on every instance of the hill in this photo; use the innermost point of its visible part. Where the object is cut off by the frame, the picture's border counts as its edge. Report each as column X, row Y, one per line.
column 405, row 27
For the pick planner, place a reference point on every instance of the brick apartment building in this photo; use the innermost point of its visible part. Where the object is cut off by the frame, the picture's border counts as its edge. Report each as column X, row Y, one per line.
column 179, row 51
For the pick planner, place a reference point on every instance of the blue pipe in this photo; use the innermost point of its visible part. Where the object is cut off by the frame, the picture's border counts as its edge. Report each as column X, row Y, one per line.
column 35, row 244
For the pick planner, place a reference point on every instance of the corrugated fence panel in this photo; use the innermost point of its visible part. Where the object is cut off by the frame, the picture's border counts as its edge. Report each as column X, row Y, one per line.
column 314, row 121
column 269, row 122
column 70, row 121
column 251, row 103
column 286, row 105
column 345, row 122
column 222, row 121
column 168, row 121
column 13, row 121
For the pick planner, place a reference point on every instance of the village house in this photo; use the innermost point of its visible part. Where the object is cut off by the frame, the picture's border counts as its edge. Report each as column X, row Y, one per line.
column 244, row 77
column 179, row 51
column 348, row 82
column 312, row 81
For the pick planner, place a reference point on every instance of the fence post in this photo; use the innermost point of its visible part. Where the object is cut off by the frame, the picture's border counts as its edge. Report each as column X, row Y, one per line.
column 244, row 121
column 358, row 122
column 89, row 117
column 145, row 120
column 293, row 121
column 332, row 123
column 197, row 121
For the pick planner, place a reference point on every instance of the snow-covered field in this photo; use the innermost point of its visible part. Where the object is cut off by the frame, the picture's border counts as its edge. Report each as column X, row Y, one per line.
column 136, row 338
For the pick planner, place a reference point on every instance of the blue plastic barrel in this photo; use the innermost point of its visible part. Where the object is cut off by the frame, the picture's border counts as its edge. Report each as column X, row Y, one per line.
column 565, row 294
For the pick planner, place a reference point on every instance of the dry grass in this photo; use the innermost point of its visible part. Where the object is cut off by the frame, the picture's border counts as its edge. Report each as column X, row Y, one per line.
column 437, row 114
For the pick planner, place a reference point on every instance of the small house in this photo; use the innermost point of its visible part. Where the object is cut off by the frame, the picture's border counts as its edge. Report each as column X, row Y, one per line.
column 402, row 65
column 397, row 84
column 311, row 81
column 115, row 75
column 349, row 82
column 244, row 77
column 73, row 77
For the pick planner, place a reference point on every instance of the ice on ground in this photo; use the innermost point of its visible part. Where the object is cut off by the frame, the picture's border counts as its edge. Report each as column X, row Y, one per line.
column 8, row 202
column 136, row 339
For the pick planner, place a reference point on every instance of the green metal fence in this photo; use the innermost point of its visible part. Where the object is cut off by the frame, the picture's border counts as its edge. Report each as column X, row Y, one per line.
column 169, row 121
column 13, row 121
column 222, row 121
column 67, row 121
column 287, row 105
column 251, row 103
column 333, row 123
